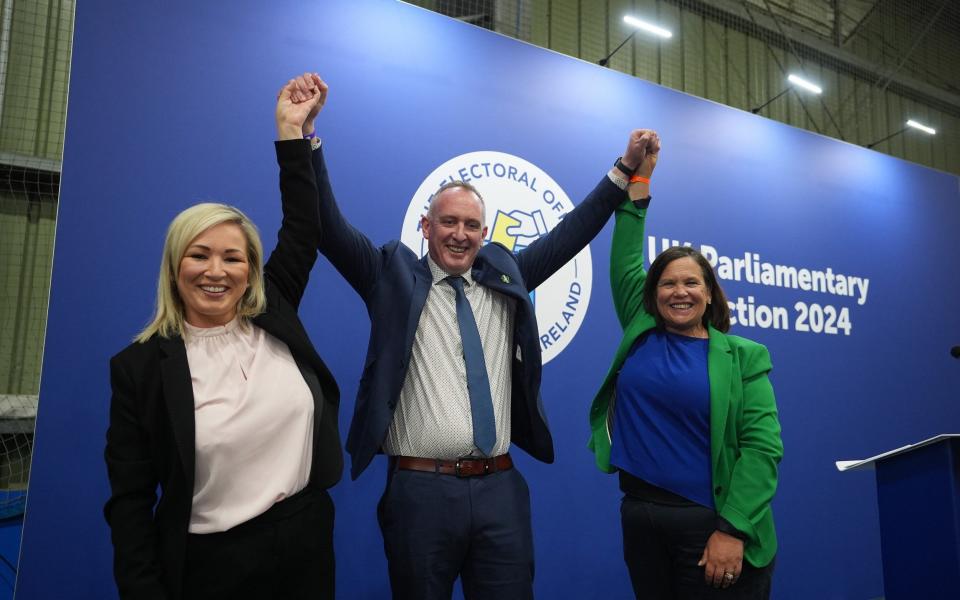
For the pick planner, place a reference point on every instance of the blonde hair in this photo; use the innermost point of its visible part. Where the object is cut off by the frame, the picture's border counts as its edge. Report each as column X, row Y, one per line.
column 168, row 317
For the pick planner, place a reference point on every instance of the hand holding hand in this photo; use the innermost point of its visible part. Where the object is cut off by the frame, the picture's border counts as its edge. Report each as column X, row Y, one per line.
column 527, row 229
column 306, row 83
column 298, row 103
column 722, row 559
column 642, row 151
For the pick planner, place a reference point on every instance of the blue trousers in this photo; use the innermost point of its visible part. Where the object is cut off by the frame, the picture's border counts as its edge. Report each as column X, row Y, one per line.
column 439, row 527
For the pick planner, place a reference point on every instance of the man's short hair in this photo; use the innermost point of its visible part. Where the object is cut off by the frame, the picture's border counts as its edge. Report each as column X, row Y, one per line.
column 458, row 183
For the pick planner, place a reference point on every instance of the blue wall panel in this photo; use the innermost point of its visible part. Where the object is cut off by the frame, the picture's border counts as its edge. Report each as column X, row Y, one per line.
column 172, row 104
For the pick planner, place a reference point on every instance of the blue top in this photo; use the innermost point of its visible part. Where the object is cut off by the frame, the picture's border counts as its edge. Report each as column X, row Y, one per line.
column 661, row 421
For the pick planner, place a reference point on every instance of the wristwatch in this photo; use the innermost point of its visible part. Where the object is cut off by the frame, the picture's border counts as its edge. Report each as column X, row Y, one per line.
column 314, row 140
column 624, row 168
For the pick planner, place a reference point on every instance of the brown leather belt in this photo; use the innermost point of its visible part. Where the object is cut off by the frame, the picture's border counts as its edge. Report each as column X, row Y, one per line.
column 461, row 467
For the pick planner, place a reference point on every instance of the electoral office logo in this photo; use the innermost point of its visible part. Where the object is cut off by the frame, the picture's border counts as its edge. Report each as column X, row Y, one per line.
column 523, row 204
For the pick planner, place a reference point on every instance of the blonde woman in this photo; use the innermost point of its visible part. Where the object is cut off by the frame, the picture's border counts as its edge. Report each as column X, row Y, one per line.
column 224, row 405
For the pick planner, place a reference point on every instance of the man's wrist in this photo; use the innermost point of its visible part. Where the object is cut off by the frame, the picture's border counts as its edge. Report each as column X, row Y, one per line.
column 624, row 167
column 617, row 179
column 313, row 138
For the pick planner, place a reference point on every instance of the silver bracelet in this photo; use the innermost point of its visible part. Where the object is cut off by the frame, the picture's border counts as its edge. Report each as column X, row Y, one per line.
column 618, row 181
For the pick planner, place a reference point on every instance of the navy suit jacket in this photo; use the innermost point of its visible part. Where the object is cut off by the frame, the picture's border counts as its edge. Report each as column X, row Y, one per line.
column 394, row 282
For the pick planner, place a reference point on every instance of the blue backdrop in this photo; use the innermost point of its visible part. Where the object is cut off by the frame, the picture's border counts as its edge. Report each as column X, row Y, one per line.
column 172, row 103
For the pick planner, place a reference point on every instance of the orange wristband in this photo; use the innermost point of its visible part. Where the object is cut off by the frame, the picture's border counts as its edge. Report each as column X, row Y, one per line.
column 638, row 179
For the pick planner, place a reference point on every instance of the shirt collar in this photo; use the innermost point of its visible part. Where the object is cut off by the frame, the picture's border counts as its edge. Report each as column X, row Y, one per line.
column 439, row 274
column 209, row 332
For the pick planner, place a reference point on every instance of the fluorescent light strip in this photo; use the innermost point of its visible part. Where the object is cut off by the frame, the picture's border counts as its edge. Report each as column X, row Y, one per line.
column 800, row 81
column 921, row 127
column 647, row 27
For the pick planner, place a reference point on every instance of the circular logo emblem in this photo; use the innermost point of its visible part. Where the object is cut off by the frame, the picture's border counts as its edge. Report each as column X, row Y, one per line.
column 523, row 203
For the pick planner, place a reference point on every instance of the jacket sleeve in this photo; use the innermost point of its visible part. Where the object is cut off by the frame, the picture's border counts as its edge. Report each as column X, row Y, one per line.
column 550, row 252
column 133, row 484
column 293, row 257
column 754, row 476
column 627, row 271
column 351, row 253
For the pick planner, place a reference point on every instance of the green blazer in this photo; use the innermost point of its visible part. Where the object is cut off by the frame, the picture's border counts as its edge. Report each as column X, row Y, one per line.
column 745, row 444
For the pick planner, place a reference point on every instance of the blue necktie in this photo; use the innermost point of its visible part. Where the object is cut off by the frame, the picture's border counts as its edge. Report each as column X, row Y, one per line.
column 478, row 386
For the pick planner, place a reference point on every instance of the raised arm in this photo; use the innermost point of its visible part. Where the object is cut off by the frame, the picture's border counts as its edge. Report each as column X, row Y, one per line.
column 290, row 263
column 354, row 256
column 627, row 271
column 549, row 253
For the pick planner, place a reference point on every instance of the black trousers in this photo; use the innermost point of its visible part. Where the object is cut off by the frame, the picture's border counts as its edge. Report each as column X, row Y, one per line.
column 662, row 544
column 285, row 553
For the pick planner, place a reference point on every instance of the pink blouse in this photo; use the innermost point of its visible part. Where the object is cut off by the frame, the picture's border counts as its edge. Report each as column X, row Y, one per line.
column 254, row 424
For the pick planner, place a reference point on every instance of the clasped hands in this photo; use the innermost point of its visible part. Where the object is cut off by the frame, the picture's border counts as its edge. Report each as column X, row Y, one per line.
column 299, row 102
column 643, row 149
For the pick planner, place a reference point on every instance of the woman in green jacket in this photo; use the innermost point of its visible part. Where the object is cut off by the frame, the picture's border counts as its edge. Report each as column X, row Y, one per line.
column 687, row 416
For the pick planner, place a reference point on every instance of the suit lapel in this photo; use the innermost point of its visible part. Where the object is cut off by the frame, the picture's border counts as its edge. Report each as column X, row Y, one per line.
column 422, row 280
column 178, row 394
column 719, row 366
column 485, row 273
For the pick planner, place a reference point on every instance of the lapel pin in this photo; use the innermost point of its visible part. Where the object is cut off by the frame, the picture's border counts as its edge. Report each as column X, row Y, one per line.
column 505, row 278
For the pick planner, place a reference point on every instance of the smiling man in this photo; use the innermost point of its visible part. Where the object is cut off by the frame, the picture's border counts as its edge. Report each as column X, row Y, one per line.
column 454, row 227
column 452, row 378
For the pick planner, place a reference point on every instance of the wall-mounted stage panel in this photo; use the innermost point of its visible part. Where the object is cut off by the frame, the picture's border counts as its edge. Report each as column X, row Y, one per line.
column 173, row 104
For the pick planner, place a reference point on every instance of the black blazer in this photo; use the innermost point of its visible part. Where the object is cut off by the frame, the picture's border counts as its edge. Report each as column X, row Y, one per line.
column 150, row 441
